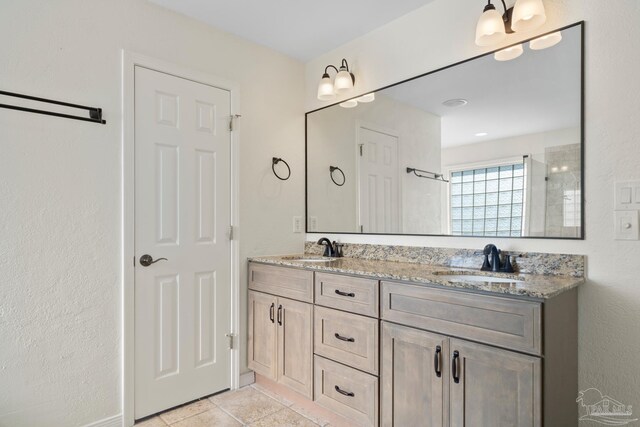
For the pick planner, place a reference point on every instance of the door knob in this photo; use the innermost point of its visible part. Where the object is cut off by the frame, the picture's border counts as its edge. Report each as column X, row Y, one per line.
column 146, row 260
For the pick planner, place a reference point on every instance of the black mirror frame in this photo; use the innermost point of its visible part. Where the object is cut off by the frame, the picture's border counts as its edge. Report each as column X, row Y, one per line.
column 580, row 24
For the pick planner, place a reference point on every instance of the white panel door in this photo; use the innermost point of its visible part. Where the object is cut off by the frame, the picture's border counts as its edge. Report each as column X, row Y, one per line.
column 379, row 182
column 182, row 213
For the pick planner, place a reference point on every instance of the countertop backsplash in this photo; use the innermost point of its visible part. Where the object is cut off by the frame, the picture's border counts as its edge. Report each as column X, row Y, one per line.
column 526, row 262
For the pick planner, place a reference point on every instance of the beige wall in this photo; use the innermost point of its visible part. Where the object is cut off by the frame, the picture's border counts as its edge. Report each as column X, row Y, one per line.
column 60, row 190
column 442, row 33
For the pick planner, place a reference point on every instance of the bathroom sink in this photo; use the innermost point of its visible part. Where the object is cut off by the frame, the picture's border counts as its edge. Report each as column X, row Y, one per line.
column 474, row 278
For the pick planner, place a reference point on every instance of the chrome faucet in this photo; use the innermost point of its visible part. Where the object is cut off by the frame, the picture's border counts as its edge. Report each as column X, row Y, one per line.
column 496, row 263
column 332, row 250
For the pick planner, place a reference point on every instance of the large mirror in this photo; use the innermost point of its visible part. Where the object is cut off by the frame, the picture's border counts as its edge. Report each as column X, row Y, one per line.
column 482, row 148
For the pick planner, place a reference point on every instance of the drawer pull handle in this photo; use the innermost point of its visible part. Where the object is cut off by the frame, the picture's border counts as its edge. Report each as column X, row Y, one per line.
column 454, row 367
column 341, row 338
column 436, row 361
column 271, row 311
column 346, row 294
column 345, row 393
column 279, row 314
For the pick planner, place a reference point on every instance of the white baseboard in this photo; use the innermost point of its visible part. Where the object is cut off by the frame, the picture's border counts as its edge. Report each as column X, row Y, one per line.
column 115, row 421
column 247, row 378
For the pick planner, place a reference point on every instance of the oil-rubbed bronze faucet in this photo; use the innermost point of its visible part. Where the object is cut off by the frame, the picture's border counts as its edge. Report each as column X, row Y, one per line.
column 332, row 250
column 496, row 263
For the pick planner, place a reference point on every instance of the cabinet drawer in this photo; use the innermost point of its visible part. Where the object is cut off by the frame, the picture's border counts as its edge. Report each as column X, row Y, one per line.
column 499, row 321
column 282, row 281
column 347, row 338
column 346, row 391
column 347, row 293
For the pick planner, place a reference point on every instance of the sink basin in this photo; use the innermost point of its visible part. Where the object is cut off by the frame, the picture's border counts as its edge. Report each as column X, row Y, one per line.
column 473, row 278
column 309, row 259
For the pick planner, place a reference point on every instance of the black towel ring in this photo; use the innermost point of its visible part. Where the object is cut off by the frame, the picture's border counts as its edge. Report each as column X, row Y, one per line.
column 333, row 169
column 274, row 162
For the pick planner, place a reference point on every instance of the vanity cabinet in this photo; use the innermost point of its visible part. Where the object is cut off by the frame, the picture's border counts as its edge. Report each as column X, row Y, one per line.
column 346, row 345
column 280, row 341
column 493, row 387
column 448, row 381
column 353, row 294
column 481, row 361
column 263, row 332
column 503, row 322
column 394, row 353
column 415, row 377
column 280, row 332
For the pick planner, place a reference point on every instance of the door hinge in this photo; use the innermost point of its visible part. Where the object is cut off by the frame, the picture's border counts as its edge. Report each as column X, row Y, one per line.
column 231, row 232
column 231, row 121
column 230, row 336
column 362, row 228
column 361, row 149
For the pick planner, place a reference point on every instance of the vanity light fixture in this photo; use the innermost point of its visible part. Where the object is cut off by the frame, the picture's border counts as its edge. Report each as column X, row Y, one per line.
column 509, row 53
column 344, row 81
column 525, row 15
column 546, row 41
column 370, row 97
column 325, row 88
column 528, row 15
column 349, row 104
column 491, row 28
column 540, row 43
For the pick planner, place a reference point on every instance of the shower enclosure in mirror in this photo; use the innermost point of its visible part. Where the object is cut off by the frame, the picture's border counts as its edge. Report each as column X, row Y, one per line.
column 480, row 148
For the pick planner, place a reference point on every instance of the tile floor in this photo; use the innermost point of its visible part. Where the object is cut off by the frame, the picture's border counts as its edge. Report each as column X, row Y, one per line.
column 249, row 406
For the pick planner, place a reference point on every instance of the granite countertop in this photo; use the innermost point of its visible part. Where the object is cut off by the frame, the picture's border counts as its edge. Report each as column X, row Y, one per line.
column 524, row 285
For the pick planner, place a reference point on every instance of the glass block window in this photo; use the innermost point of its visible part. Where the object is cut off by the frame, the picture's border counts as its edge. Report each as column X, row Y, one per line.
column 487, row 201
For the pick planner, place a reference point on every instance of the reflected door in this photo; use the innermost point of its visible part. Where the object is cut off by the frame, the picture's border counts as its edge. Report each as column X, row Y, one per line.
column 182, row 213
column 378, row 182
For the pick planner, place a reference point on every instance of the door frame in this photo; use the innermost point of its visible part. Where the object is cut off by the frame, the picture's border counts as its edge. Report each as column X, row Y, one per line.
column 129, row 61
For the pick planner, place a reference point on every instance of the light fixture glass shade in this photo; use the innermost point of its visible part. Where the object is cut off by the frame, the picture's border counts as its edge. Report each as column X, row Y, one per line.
column 343, row 82
column 370, row 97
column 490, row 29
column 509, row 53
column 546, row 41
column 325, row 89
column 349, row 104
column 528, row 15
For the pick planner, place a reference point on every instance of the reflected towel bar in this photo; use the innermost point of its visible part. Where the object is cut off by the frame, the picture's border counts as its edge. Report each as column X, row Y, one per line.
column 435, row 177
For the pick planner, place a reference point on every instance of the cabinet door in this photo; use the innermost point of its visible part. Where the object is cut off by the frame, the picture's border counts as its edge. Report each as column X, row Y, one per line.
column 295, row 345
column 262, row 331
column 492, row 387
column 415, row 377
